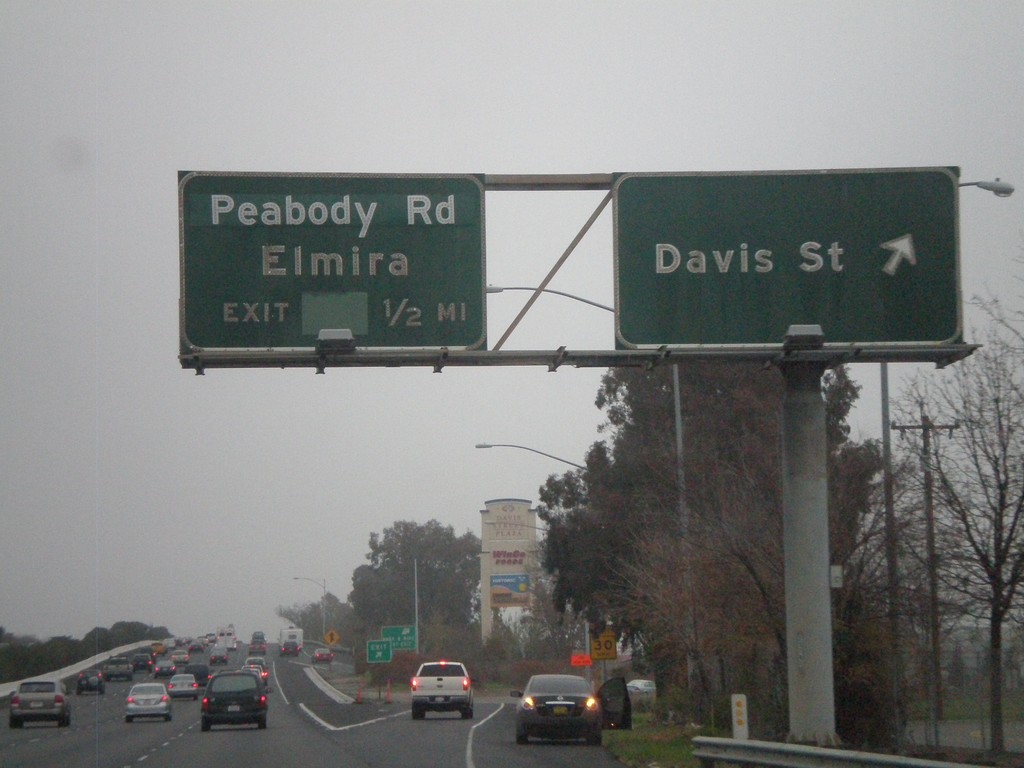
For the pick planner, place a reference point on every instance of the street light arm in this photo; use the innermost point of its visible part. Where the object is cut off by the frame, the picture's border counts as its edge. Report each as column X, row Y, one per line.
column 997, row 187
column 501, row 288
column 533, row 450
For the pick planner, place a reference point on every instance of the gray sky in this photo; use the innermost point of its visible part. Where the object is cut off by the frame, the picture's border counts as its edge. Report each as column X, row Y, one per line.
column 131, row 489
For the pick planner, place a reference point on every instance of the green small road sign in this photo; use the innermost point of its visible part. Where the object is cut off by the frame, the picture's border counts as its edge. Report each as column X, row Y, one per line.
column 378, row 651
column 270, row 260
column 718, row 260
column 402, row 638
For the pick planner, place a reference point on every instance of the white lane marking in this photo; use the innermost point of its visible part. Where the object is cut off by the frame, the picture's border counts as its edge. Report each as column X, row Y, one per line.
column 328, row 689
column 469, row 742
column 330, row 727
column 277, row 684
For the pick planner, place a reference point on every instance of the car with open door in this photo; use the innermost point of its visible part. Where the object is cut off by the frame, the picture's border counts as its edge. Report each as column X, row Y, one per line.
column 566, row 707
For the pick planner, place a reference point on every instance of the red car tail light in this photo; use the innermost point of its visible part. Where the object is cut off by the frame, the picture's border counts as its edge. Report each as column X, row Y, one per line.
column 59, row 699
column 130, row 699
column 206, row 703
column 263, row 701
column 465, row 683
column 415, row 683
column 164, row 698
column 16, row 700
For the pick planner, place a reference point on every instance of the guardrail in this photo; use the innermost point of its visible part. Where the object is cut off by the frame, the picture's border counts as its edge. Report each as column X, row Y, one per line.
column 712, row 752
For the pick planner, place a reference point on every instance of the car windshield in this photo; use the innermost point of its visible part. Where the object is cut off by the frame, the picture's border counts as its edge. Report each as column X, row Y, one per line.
column 38, row 686
column 228, row 683
column 147, row 689
column 443, row 670
column 569, row 684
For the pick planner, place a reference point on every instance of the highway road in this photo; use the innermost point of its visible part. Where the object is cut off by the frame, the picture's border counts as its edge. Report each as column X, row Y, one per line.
column 306, row 728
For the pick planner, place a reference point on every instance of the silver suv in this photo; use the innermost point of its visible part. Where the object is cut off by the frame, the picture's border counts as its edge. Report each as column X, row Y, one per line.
column 40, row 700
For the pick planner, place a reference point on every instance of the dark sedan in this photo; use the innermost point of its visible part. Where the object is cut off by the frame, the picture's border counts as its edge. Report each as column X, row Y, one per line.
column 565, row 707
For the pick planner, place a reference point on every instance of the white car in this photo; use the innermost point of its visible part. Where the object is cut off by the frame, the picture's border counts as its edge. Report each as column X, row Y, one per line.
column 641, row 687
column 184, row 687
column 147, row 700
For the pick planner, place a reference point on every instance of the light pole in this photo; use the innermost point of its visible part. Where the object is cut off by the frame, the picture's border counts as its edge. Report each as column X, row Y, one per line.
column 1000, row 189
column 322, row 583
column 534, row 450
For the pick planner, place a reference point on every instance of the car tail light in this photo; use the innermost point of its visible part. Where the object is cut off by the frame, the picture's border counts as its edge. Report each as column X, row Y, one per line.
column 415, row 683
column 195, row 685
column 528, row 703
column 164, row 698
column 465, row 683
column 263, row 701
column 58, row 699
column 170, row 685
column 206, row 703
column 130, row 699
column 591, row 703
column 16, row 700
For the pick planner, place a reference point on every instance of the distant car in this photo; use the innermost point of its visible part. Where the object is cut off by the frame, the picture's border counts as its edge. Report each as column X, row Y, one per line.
column 158, row 648
column 147, row 700
column 234, row 698
column 290, row 648
column 180, row 657
column 322, row 656
column 201, row 672
column 641, row 687
column 142, row 662
column 40, row 700
column 184, row 687
column 118, row 668
column 165, row 668
column 565, row 707
column 259, row 661
column 90, row 680
column 258, row 646
column 218, row 655
column 197, row 646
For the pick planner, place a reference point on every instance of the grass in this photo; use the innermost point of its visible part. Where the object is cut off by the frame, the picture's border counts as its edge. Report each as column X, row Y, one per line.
column 651, row 743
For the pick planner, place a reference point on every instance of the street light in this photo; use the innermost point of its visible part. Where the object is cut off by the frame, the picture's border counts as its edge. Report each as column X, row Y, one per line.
column 322, row 583
column 999, row 189
column 527, row 448
column 502, row 288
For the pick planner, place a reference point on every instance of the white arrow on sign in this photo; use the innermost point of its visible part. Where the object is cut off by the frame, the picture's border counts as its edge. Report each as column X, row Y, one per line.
column 902, row 248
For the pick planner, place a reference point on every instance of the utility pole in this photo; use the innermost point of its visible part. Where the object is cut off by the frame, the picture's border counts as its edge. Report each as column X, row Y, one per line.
column 926, row 427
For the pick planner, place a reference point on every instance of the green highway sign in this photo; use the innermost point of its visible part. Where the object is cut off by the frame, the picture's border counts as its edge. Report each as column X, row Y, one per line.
column 378, row 651
column 270, row 260
column 717, row 259
column 402, row 638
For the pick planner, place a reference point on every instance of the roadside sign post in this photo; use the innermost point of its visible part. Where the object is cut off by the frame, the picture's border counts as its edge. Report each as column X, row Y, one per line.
column 270, row 260
column 725, row 260
column 378, row 651
column 401, row 638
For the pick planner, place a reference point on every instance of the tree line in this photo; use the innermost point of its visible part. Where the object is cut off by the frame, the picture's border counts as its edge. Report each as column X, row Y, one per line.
column 24, row 656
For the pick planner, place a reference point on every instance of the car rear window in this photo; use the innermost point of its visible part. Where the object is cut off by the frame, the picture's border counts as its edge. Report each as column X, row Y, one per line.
column 442, row 670
column 229, row 683
column 38, row 687
column 568, row 684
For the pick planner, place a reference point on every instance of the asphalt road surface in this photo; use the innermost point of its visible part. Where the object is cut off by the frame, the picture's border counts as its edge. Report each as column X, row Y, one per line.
column 306, row 727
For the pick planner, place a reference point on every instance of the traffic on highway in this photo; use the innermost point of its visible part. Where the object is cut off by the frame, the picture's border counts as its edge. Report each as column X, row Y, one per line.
column 296, row 716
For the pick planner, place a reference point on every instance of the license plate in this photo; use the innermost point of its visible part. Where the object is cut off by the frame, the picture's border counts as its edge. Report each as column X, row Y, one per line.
column 35, row 705
column 560, row 710
column 234, row 707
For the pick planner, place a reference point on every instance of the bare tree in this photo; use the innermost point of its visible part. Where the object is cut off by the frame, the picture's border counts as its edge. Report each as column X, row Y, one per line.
column 978, row 471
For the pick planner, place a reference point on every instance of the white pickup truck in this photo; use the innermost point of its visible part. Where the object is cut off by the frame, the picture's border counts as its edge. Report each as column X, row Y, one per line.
column 442, row 686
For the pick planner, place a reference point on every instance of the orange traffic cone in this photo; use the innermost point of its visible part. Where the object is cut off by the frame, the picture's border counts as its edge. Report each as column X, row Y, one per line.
column 359, row 695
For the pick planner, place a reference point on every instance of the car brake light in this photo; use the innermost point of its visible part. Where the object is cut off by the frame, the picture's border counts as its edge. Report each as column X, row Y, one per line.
column 58, row 699
column 263, row 701
column 591, row 703
column 15, row 700
column 528, row 702
column 131, row 699
column 206, row 703
column 465, row 683
column 415, row 683
column 164, row 698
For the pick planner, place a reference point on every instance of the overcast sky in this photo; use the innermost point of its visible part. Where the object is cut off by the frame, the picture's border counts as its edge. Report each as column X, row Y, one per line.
column 131, row 489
